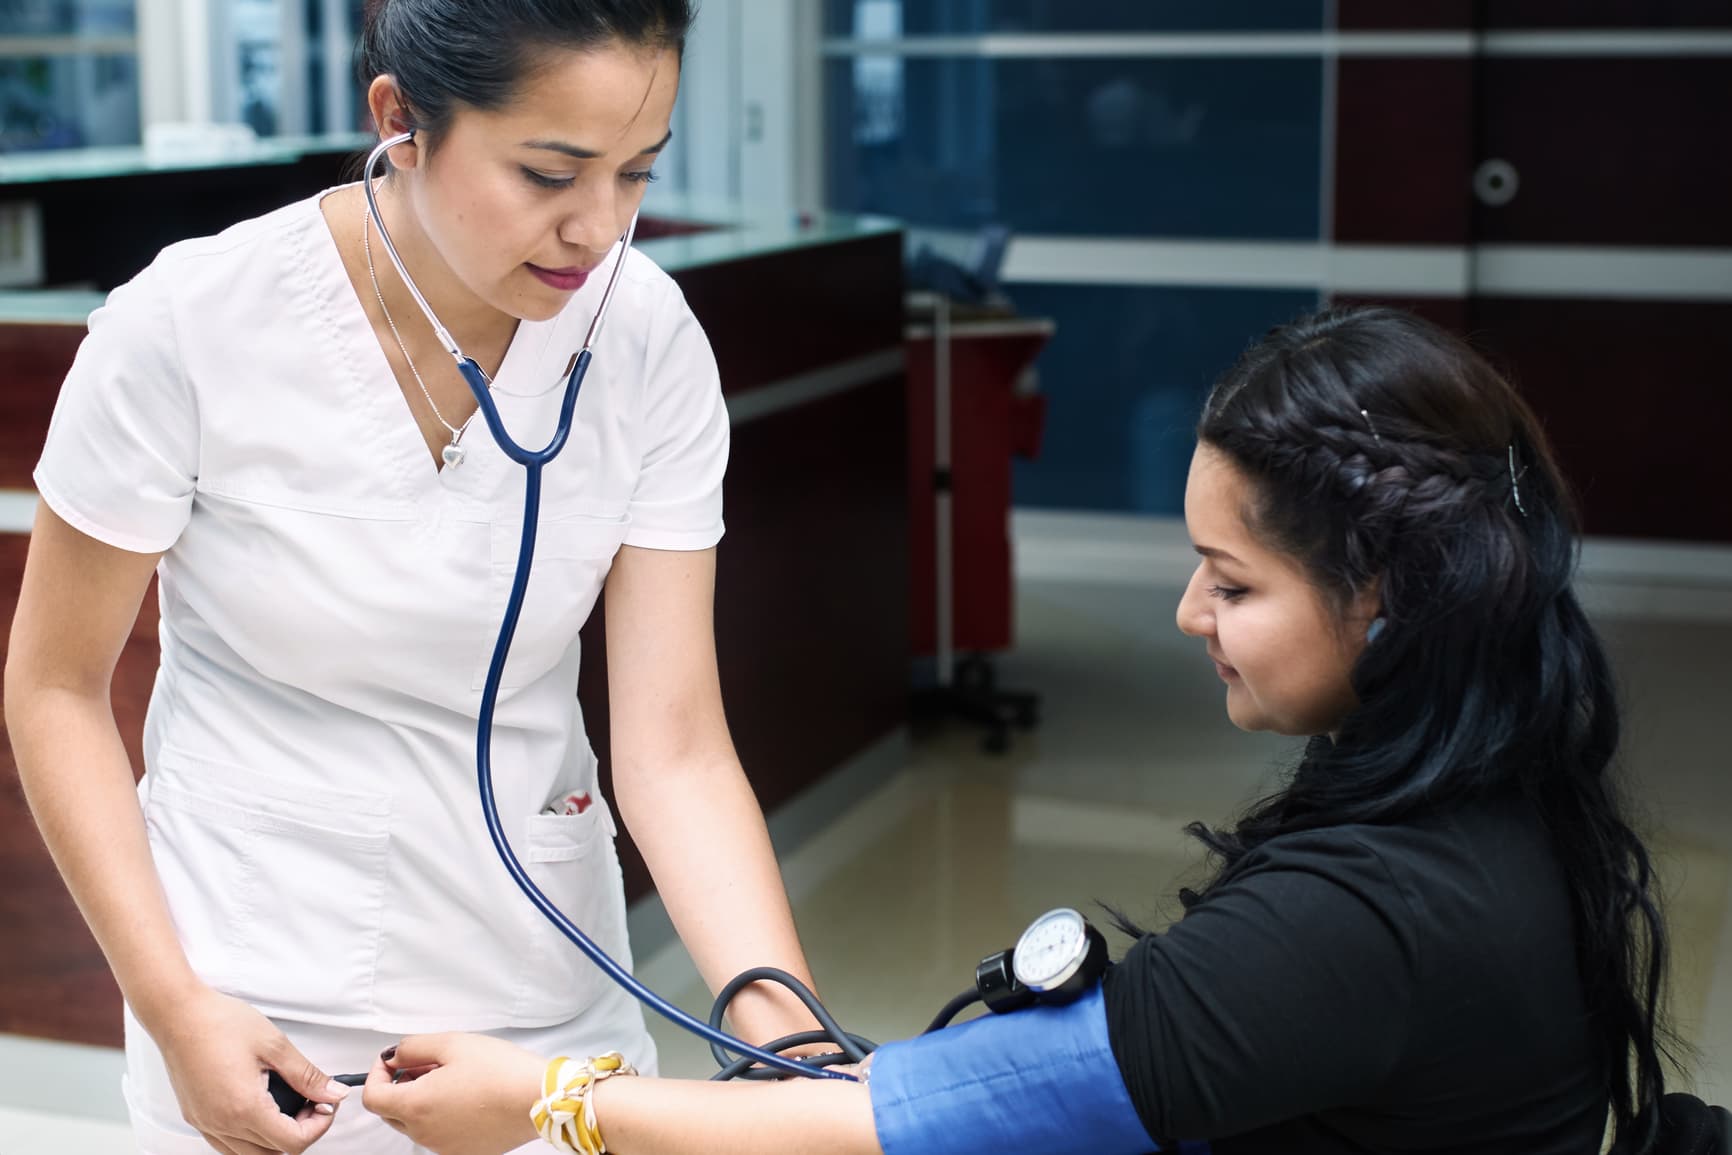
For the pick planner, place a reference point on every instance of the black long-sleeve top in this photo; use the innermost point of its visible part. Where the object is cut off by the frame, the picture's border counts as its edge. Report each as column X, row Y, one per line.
column 1370, row 989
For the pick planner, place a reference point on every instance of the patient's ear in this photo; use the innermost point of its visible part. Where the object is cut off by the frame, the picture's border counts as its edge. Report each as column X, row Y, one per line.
column 1364, row 619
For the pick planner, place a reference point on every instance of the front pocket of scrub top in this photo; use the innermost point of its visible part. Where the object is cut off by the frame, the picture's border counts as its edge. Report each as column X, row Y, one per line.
column 572, row 558
column 571, row 857
column 279, row 900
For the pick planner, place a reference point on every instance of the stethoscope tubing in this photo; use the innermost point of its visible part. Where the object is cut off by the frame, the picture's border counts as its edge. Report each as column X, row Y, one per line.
column 533, row 461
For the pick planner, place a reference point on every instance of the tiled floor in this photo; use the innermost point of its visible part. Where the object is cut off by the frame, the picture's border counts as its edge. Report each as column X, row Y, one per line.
column 39, row 1133
column 948, row 859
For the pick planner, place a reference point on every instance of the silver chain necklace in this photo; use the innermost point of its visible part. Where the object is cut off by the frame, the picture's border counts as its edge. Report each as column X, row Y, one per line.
column 453, row 453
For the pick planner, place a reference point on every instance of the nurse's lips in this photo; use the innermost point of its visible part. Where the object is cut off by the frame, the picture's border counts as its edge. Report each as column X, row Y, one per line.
column 1227, row 673
column 566, row 280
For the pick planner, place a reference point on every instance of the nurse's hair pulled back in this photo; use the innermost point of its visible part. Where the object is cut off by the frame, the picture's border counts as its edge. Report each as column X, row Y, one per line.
column 1386, row 456
column 451, row 54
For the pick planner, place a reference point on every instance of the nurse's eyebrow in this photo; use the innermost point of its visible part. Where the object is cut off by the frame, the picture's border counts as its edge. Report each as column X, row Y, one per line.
column 573, row 150
column 1210, row 551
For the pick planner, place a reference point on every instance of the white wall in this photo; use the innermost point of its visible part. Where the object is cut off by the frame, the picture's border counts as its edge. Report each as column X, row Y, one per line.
column 749, row 115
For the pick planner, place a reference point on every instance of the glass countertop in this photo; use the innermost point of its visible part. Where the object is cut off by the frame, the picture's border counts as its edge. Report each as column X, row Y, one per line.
column 95, row 163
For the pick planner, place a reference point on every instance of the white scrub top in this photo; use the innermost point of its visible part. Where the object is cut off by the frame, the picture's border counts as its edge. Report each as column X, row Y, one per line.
column 329, row 605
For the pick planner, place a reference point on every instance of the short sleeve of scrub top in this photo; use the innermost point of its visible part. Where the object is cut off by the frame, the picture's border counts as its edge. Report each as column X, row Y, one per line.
column 329, row 602
column 677, row 504
column 126, row 405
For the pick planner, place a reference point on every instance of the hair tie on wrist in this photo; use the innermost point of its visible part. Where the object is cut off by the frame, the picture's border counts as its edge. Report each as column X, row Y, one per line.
column 565, row 1114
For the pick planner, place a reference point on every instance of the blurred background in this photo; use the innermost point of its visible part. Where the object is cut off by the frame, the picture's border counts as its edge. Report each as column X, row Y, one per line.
column 970, row 267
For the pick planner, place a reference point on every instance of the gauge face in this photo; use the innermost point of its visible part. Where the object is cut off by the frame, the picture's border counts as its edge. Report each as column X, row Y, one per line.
column 1051, row 949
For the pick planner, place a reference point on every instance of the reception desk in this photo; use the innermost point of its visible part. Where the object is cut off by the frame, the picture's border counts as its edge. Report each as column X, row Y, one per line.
column 811, row 602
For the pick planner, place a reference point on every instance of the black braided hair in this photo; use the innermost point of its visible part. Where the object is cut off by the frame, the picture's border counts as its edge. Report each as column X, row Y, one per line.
column 1385, row 454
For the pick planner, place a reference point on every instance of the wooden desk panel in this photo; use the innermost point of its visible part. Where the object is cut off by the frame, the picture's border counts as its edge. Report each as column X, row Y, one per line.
column 33, row 362
column 53, row 979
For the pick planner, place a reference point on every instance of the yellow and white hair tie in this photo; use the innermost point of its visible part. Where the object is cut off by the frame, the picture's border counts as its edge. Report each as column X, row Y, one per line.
column 565, row 1113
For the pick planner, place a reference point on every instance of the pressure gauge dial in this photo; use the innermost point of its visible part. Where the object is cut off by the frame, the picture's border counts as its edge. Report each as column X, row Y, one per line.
column 1059, row 956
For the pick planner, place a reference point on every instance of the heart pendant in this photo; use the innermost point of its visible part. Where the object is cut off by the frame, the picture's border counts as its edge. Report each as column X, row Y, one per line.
column 453, row 454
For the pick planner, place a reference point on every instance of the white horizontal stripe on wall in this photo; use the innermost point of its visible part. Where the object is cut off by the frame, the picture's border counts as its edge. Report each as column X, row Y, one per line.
column 1124, row 261
column 1677, row 42
column 1407, row 270
column 1609, row 272
column 1617, row 577
column 20, row 46
column 1128, row 44
column 1399, row 270
column 1610, row 42
column 1568, row 271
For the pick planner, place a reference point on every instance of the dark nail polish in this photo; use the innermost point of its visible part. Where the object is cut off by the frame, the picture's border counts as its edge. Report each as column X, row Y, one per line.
column 388, row 1054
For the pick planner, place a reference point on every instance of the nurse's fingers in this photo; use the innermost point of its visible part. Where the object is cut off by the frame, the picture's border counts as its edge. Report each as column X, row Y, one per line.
column 277, row 1132
column 301, row 1073
column 381, row 1096
column 312, row 1123
column 422, row 1052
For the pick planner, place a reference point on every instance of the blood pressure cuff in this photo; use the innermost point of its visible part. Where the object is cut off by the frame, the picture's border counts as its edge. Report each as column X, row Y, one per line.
column 1040, row 1079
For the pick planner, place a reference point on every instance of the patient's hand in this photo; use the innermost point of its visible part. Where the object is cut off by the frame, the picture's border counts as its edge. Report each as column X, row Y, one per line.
column 457, row 1094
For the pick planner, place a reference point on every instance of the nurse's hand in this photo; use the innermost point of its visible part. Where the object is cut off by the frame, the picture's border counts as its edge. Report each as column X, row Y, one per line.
column 457, row 1094
column 217, row 1050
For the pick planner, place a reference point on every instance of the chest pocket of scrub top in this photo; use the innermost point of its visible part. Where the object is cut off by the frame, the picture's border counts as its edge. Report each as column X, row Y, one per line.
column 278, row 893
column 572, row 859
column 573, row 555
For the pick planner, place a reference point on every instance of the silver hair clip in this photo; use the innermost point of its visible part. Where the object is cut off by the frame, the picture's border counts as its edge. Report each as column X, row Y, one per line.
column 1515, row 481
column 1371, row 425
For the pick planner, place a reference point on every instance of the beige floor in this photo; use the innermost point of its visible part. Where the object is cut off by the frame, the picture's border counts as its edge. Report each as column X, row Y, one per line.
column 948, row 859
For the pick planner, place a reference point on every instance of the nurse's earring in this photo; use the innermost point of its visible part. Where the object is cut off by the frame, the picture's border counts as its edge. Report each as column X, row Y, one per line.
column 1374, row 629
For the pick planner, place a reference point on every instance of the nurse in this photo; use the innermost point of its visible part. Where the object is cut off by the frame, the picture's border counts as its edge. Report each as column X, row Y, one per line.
column 1440, row 934
column 265, row 421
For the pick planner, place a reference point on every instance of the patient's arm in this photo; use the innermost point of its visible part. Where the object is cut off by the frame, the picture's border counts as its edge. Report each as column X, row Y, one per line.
column 675, row 1117
column 471, row 1095
column 1042, row 1079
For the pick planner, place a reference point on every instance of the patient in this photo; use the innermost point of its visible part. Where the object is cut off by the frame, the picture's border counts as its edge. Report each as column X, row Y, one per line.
column 1439, row 935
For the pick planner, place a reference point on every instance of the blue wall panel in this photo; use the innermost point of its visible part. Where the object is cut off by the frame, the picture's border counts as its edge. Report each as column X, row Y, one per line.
column 1181, row 147
column 1125, row 377
column 1171, row 146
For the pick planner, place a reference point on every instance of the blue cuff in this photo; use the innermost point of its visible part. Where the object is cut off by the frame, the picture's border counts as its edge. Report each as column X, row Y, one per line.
column 1041, row 1079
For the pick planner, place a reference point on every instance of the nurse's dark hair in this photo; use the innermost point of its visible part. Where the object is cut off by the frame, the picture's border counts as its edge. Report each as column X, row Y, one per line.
column 451, row 54
column 1379, row 450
